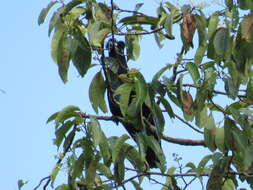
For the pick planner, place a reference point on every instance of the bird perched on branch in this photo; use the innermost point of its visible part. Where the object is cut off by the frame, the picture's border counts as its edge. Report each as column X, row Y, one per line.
column 116, row 52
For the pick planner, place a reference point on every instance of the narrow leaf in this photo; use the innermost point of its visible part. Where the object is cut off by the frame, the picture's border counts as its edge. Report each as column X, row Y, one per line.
column 136, row 185
column 62, row 131
column 212, row 25
column 118, row 146
column 78, row 166
column 55, row 171
column 96, row 93
column 138, row 19
column 45, row 11
column 209, row 137
column 193, row 70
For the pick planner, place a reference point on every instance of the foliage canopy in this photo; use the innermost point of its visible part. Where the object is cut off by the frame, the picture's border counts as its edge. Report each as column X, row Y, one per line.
column 222, row 59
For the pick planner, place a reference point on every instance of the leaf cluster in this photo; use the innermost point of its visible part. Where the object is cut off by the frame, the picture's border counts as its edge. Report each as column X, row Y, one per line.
column 221, row 66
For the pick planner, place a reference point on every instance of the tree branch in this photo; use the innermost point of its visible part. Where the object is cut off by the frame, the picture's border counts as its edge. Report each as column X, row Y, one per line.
column 186, row 142
column 41, row 181
column 139, row 33
column 129, row 11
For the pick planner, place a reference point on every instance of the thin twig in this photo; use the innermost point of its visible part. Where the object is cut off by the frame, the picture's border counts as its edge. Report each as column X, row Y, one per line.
column 188, row 124
column 186, row 142
column 58, row 162
column 189, row 183
column 249, row 174
column 214, row 91
column 41, row 181
column 129, row 11
column 156, row 181
column 139, row 33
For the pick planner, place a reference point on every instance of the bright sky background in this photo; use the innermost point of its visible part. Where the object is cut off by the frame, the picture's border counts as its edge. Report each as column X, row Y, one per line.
column 33, row 91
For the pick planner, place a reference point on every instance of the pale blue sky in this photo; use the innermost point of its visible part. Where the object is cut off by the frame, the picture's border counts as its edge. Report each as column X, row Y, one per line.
column 33, row 91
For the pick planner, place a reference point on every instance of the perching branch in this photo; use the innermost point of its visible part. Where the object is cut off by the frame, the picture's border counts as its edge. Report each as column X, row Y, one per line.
column 139, row 33
column 186, row 142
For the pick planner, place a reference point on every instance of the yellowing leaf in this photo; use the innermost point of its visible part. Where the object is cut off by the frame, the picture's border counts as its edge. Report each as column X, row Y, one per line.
column 220, row 139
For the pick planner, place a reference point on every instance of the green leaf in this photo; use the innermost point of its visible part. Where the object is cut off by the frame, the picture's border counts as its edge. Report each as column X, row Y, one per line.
column 68, row 7
column 66, row 113
column 91, row 172
column 68, row 141
column 45, row 11
column 62, row 131
column 105, row 170
column 159, row 118
column 159, row 73
column 119, row 169
column 96, row 93
column 168, row 24
column 245, row 4
column 63, row 187
column 209, row 137
column 228, row 185
column 247, row 28
column 155, row 146
column 230, row 87
column 95, row 130
column 136, row 185
column 55, row 171
column 171, row 182
column 55, row 43
column 193, row 70
column 78, row 166
column 52, row 117
column 140, row 88
column 133, row 47
column 105, row 149
column 103, row 13
column 249, row 90
column 229, row 127
column 203, row 162
column 167, row 107
column 220, row 139
column 191, row 165
column 63, row 58
column 212, row 25
column 21, row 183
column 159, row 37
column 221, row 41
column 118, row 146
column 55, row 20
column 134, row 157
column 124, row 92
column 100, row 36
column 200, row 53
column 139, row 19
column 82, row 56
column 201, row 27
column 100, row 139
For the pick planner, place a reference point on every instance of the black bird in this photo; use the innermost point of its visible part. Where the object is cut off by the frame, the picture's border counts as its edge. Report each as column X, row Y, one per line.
column 116, row 52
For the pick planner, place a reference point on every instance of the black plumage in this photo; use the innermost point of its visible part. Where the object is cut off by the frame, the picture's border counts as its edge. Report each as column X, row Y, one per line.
column 116, row 52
